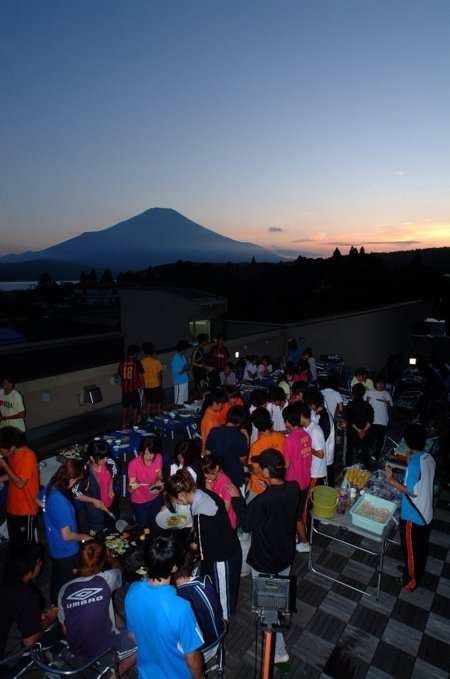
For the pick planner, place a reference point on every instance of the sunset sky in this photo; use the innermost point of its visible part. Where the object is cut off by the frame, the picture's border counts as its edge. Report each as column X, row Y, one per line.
column 299, row 125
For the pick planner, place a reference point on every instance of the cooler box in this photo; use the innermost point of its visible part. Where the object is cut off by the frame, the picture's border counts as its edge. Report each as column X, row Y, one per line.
column 371, row 524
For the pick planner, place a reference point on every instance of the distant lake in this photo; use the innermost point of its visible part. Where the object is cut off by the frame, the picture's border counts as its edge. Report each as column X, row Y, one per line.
column 7, row 286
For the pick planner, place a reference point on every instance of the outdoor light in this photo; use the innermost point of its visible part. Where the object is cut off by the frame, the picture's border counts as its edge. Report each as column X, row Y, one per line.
column 412, row 361
column 236, row 354
column 92, row 394
column 272, row 598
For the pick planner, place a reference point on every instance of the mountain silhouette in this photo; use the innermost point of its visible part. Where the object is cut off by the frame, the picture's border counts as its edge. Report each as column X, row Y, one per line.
column 157, row 236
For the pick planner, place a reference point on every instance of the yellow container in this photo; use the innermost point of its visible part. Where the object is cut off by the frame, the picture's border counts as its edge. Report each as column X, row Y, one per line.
column 324, row 501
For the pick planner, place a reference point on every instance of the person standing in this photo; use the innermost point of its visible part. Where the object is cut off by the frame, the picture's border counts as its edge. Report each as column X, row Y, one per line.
column 211, row 416
column 220, row 353
column 96, row 491
column 218, row 544
column 12, row 410
column 381, row 402
column 359, row 416
column 298, row 456
column 417, row 505
column 19, row 466
column 198, row 356
column 152, row 375
column 145, row 483
column 180, row 373
column 131, row 376
column 60, row 523
column 230, row 444
column 271, row 518
column 267, row 438
column 169, row 646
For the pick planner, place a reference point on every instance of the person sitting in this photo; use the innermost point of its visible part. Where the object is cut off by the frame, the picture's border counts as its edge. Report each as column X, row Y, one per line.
column 90, row 626
column 265, row 367
column 251, row 369
column 239, row 370
column 361, row 377
column 205, row 602
column 23, row 602
column 228, row 376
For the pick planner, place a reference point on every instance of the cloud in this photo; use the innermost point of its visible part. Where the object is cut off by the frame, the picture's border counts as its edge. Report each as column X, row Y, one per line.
column 275, row 229
column 401, row 173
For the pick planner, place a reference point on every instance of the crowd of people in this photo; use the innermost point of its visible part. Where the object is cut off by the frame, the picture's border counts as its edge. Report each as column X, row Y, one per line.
column 252, row 470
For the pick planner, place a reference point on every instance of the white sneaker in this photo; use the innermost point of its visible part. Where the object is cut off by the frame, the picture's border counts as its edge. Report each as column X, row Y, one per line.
column 302, row 547
column 283, row 657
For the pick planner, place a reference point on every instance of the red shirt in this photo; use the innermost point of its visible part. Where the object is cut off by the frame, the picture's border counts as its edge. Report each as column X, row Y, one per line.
column 130, row 371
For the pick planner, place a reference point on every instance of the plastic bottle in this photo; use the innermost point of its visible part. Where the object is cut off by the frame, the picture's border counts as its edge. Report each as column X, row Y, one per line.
column 342, row 500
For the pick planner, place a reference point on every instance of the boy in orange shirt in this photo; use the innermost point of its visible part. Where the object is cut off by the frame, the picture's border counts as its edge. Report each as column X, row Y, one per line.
column 211, row 417
column 20, row 469
column 267, row 439
column 233, row 399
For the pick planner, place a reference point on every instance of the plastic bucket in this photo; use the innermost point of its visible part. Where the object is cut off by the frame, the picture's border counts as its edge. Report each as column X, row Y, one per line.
column 324, row 501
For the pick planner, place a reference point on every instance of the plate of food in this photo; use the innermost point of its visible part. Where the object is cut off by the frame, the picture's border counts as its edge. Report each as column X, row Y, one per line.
column 174, row 520
column 70, row 454
column 185, row 412
column 117, row 544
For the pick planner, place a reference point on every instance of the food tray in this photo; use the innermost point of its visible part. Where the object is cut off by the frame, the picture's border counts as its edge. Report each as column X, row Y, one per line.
column 369, row 524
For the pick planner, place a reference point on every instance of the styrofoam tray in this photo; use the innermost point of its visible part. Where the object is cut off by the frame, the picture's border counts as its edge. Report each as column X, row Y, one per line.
column 370, row 524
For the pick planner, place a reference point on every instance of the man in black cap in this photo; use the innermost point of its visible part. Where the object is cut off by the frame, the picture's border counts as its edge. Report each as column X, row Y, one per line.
column 271, row 518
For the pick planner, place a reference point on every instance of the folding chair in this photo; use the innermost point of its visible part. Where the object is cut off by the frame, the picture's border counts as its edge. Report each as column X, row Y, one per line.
column 65, row 664
column 17, row 663
column 214, row 652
